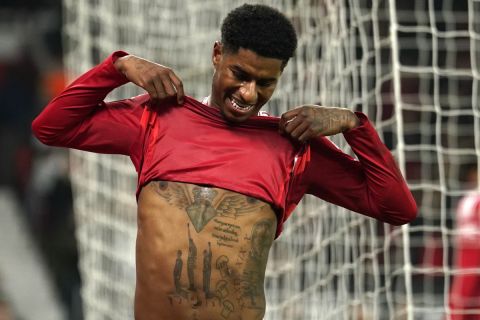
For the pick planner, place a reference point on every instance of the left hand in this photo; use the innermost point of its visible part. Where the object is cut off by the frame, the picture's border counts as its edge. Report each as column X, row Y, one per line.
column 310, row 121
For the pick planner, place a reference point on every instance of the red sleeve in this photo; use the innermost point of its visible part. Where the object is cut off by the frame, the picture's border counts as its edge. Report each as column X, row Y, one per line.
column 79, row 118
column 372, row 185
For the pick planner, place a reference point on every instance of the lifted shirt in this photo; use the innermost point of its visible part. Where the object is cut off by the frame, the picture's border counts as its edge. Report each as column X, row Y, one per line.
column 193, row 143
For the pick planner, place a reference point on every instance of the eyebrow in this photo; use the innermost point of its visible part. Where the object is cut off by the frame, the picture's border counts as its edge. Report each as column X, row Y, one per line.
column 241, row 70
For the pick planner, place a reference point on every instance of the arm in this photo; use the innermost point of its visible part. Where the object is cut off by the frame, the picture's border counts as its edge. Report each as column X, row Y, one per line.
column 79, row 118
column 372, row 186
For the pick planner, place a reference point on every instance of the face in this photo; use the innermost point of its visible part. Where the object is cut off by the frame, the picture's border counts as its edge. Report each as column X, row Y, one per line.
column 243, row 82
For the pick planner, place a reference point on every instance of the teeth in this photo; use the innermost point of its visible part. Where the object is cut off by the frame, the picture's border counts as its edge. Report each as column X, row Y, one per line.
column 241, row 107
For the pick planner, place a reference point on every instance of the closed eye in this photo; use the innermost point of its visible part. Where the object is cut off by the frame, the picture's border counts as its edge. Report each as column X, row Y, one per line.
column 240, row 75
column 265, row 83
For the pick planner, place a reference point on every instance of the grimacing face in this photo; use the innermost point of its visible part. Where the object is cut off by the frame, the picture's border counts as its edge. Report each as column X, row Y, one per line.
column 243, row 82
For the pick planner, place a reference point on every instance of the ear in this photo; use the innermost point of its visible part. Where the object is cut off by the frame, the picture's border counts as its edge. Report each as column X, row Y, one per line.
column 217, row 53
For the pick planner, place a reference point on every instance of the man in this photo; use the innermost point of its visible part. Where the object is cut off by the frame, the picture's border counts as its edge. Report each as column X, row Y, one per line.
column 215, row 176
column 464, row 298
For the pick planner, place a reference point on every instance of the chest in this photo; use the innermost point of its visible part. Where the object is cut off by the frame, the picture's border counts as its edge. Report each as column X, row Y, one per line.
column 251, row 159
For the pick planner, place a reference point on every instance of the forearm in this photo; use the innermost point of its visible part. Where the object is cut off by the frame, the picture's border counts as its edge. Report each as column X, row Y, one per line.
column 60, row 119
column 372, row 186
column 390, row 199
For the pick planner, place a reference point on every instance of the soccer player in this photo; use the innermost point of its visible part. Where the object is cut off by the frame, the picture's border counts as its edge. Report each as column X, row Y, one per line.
column 465, row 290
column 215, row 180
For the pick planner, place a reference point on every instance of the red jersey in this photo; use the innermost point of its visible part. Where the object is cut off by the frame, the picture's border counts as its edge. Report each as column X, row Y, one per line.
column 193, row 143
column 465, row 291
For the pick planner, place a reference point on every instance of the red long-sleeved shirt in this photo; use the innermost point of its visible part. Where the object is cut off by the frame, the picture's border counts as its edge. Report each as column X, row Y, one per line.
column 193, row 143
column 465, row 291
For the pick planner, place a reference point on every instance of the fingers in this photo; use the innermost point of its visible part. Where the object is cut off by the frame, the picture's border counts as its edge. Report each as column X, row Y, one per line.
column 306, row 135
column 301, row 132
column 310, row 121
column 178, row 86
column 299, row 123
column 168, row 87
column 299, row 129
column 159, row 93
column 165, row 85
column 152, row 91
column 292, row 125
column 159, row 81
column 286, row 118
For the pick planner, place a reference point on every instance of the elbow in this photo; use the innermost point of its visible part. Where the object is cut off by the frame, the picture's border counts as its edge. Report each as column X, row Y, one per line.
column 413, row 211
column 42, row 133
column 405, row 212
column 406, row 217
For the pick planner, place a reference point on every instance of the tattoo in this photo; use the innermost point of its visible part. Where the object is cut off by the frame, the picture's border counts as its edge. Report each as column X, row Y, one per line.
column 222, row 265
column 241, row 257
column 333, row 120
column 177, row 272
column 176, row 194
column 225, row 233
column 201, row 210
column 191, row 262
column 202, row 204
column 207, row 271
column 163, row 185
column 233, row 206
column 237, row 280
column 228, row 308
column 191, row 295
column 221, row 289
column 261, row 239
column 250, row 284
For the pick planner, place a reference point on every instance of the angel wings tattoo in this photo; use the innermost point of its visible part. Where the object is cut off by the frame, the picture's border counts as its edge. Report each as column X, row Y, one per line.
column 202, row 204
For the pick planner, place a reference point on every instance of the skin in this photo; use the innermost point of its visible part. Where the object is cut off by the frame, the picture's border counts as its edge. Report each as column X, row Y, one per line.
column 212, row 270
column 201, row 252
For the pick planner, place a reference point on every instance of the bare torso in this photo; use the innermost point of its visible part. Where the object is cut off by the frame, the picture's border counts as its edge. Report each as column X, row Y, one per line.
column 201, row 253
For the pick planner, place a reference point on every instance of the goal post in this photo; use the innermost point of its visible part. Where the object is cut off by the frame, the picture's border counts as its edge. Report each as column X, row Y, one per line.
column 411, row 66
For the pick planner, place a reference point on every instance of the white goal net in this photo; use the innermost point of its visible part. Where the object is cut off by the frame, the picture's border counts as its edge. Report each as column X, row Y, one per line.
column 412, row 66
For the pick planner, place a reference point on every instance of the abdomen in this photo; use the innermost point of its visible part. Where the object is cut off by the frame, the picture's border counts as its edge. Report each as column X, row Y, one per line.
column 201, row 253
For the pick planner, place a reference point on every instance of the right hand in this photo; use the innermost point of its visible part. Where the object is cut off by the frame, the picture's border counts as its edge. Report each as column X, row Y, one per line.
column 159, row 81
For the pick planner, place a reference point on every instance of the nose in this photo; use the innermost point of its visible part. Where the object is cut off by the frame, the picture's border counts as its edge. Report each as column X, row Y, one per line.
column 248, row 92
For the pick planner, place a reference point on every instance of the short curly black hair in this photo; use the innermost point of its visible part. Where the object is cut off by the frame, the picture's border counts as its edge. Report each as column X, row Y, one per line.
column 262, row 29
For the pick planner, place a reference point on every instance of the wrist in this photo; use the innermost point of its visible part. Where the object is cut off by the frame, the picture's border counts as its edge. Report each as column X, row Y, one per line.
column 352, row 120
column 119, row 63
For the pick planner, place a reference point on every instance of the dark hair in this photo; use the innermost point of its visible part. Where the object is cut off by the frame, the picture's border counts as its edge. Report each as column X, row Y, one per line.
column 262, row 29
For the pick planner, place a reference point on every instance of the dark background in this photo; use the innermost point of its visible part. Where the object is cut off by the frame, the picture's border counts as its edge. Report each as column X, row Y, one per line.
column 31, row 73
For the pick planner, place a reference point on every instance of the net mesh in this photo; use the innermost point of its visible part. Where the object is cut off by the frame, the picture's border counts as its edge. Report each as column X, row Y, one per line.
column 411, row 66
